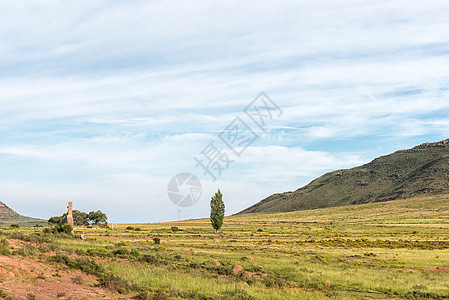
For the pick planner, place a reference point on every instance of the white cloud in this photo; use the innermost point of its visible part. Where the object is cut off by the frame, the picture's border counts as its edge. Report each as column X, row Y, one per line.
column 122, row 94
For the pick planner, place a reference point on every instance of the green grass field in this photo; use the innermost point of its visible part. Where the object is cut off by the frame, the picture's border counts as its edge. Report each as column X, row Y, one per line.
column 389, row 250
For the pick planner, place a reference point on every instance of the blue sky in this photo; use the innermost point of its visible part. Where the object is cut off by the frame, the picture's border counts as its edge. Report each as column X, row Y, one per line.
column 102, row 102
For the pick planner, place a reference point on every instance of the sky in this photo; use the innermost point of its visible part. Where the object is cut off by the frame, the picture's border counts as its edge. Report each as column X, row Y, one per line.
column 103, row 102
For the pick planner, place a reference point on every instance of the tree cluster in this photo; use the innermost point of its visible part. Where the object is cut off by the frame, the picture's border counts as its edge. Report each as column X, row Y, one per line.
column 80, row 218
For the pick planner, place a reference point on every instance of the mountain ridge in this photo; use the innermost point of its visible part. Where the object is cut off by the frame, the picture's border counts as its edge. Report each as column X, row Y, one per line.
column 8, row 216
column 423, row 169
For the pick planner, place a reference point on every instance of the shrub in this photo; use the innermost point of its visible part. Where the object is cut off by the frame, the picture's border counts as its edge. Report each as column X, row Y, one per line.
column 221, row 270
column 59, row 258
column 80, row 252
column 101, row 252
column 112, row 281
column 14, row 225
column 86, row 265
column 4, row 249
column 274, row 282
column 123, row 252
column 3, row 294
column 47, row 248
column 143, row 295
column 135, row 252
column 159, row 296
column 27, row 250
column 77, row 279
column 157, row 240
column 25, row 238
column 31, row 296
column 66, row 229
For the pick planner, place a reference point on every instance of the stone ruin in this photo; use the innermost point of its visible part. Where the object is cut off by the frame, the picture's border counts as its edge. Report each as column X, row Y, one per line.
column 69, row 217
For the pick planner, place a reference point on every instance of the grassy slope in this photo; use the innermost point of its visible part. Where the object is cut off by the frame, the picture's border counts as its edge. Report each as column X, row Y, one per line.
column 294, row 249
column 381, row 250
column 403, row 174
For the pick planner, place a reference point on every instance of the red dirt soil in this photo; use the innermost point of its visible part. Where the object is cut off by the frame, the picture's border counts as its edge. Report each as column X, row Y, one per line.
column 20, row 277
column 439, row 270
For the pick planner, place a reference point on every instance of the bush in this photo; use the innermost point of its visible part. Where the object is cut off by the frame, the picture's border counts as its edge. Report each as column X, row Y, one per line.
column 84, row 264
column 148, row 258
column 135, row 252
column 67, row 229
column 123, row 252
column 77, row 279
column 80, row 252
column 143, row 295
column 112, row 281
column 3, row 294
column 59, row 258
column 4, row 249
column 27, row 250
column 157, row 241
column 101, row 252
column 221, row 270
column 60, row 229
column 14, row 225
column 31, row 296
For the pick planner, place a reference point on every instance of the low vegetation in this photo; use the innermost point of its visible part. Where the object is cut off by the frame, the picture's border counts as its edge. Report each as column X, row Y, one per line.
column 390, row 250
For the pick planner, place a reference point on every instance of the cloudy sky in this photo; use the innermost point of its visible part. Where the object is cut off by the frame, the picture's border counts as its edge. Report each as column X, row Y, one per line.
column 103, row 102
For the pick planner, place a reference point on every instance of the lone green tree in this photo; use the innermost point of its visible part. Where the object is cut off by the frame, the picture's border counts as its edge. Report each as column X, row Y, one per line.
column 217, row 210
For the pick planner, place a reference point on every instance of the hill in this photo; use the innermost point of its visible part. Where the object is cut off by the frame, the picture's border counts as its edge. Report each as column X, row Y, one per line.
column 9, row 216
column 423, row 169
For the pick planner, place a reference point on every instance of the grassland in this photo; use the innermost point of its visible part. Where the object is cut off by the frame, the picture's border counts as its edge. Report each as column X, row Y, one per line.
column 389, row 250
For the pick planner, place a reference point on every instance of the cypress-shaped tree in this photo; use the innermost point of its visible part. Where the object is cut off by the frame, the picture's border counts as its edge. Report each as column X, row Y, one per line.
column 217, row 210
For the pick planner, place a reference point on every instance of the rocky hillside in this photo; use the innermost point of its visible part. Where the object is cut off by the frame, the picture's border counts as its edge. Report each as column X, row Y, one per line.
column 423, row 169
column 9, row 216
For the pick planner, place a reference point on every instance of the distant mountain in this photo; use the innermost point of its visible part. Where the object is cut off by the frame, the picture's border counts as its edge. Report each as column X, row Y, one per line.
column 423, row 169
column 9, row 216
